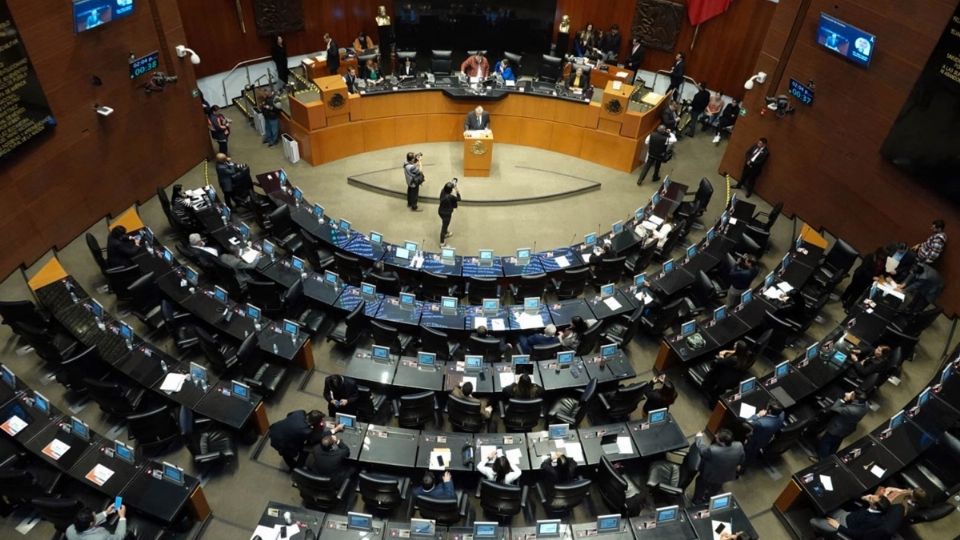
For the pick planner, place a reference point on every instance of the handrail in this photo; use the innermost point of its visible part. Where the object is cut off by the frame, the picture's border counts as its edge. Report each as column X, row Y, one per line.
column 245, row 63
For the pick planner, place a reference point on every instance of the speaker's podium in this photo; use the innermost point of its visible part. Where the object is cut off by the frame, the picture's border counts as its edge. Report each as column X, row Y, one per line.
column 477, row 152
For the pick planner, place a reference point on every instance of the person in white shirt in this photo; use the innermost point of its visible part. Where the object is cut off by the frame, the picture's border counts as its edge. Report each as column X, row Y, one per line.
column 196, row 242
column 499, row 469
column 87, row 525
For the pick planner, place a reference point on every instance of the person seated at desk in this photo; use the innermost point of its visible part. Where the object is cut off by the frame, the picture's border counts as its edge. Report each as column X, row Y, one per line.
column 912, row 499
column 862, row 365
column 498, row 469
column 477, row 120
column 362, row 42
column 792, row 306
column 548, row 337
column 197, row 244
column 505, row 71
column 373, row 74
column 740, row 278
column 847, row 412
column 879, row 521
column 524, row 388
column 182, row 209
column 291, row 436
column 728, row 117
column 578, row 79
column 231, row 259
column 559, row 469
column 408, row 69
column 430, row 488
column 871, row 267
column 730, row 366
column 350, row 79
column 720, row 462
column 328, row 457
column 465, row 392
column 121, row 247
column 658, row 397
column 606, row 253
column 483, row 332
column 476, row 66
column 763, row 427
column 924, row 284
column 571, row 336
column 89, row 526
column 341, row 394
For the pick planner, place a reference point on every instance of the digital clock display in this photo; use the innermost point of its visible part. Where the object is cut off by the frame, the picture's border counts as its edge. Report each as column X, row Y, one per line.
column 802, row 92
column 144, row 64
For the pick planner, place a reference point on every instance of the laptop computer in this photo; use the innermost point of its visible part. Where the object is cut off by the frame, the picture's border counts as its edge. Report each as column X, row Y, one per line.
column 608, row 443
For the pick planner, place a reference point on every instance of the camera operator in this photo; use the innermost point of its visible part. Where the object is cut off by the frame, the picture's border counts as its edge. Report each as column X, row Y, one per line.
column 449, row 199
column 413, row 173
column 234, row 179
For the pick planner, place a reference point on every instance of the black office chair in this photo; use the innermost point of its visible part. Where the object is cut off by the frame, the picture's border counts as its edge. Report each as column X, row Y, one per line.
column 640, row 259
column 438, row 342
column 479, row 288
column 783, row 331
column 53, row 348
column 320, row 492
column 179, row 325
column 115, row 399
column 916, row 323
column 262, row 376
column 444, row 511
column 571, row 411
column 25, row 312
column 705, row 293
column 99, row 254
column 530, row 285
column 154, row 430
column 488, row 347
column 388, row 336
column 19, row 486
column 836, row 263
column 669, row 478
column 561, row 499
column 620, row 403
column 546, row 351
column 937, row 470
column 768, row 218
column 368, row 403
column 268, row 296
column 348, row 331
column 747, row 245
column 388, row 285
column 348, row 268
column 382, row 494
column 145, row 300
column 312, row 320
column 693, row 208
column 797, row 421
column 465, row 415
column 521, row 414
column 623, row 330
column 571, row 283
column 502, row 501
column 120, row 278
column 279, row 225
column 619, row 492
column 515, row 61
column 721, row 272
column 609, row 271
column 59, row 512
column 221, row 356
column 589, row 339
column 549, row 69
column 319, row 257
column 433, row 286
column 85, row 364
column 415, row 410
column 441, row 62
column 179, row 226
column 206, row 443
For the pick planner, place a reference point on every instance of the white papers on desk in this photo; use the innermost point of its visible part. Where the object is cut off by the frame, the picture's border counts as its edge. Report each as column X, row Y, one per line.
column 509, row 84
column 891, row 265
column 733, row 221
column 485, row 451
column 99, row 475
column 173, row 382
column 649, row 225
column 506, row 379
column 656, row 220
column 56, row 448
column 417, row 261
column 772, row 293
column 612, row 303
column 471, row 380
column 784, row 287
column 513, row 456
column 443, row 453
column 250, row 255
column 529, row 320
column 747, row 410
column 623, row 445
column 877, row 471
column 892, row 291
column 622, row 75
column 479, row 321
column 266, row 533
column 497, row 325
column 643, row 297
column 234, row 241
column 561, row 261
column 827, row 482
column 574, row 451
column 474, row 133
column 13, row 425
column 714, row 525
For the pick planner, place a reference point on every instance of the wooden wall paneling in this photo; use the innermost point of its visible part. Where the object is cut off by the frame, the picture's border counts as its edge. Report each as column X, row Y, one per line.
column 566, row 139
column 411, row 130
column 379, row 134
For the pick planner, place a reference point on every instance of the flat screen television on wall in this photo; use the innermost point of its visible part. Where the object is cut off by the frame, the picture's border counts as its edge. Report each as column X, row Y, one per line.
column 848, row 41
column 90, row 14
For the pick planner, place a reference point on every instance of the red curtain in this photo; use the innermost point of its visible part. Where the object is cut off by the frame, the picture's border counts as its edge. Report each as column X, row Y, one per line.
column 700, row 11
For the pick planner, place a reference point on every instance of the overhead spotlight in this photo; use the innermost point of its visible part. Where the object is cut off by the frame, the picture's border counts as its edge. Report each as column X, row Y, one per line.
column 183, row 51
column 759, row 78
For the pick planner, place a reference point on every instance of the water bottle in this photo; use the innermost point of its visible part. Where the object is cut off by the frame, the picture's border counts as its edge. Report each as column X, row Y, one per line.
column 163, row 366
column 275, row 349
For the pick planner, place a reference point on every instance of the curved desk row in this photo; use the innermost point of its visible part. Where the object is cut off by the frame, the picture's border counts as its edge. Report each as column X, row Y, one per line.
column 333, row 124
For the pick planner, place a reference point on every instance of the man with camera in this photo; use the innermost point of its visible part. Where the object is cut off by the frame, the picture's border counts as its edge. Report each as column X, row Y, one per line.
column 234, row 179
column 413, row 173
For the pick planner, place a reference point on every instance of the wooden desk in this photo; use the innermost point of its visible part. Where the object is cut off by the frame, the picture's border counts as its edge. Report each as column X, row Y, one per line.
column 51, row 272
column 477, row 153
column 599, row 78
column 130, row 219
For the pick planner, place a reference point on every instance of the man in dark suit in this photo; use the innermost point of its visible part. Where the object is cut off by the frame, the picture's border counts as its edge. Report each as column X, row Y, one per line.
column 408, row 69
column 697, row 106
column 847, row 413
column 676, row 76
column 350, row 78
column 121, row 247
column 231, row 177
column 341, row 394
column 636, row 55
column 756, row 156
column 719, row 463
column 764, row 426
column 657, row 150
column 878, row 521
column 924, row 285
column 290, row 436
column 413, row 175
column 333, row 54
column 477, row 120
column 328, row 457
column 559, row 469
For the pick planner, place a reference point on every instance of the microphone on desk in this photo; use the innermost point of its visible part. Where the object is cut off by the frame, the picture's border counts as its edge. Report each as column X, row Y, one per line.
column 534, row 246
column 572, row 238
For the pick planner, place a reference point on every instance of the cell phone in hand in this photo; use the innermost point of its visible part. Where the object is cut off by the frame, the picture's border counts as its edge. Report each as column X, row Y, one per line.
column 117, row 503
column 440, row 460
column 720, row 528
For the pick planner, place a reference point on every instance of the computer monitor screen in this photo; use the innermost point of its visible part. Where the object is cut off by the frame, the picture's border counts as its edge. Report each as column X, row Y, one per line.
column 491, row 305
column 484, row 529
column 746, row 297
column 78, row 428
column 368, row 289
column 126, row 332
column 423, row 527
column 290, row 327
column 590, row 239
column 486, row 255
column 173, row 473
column 639, row 214
column 375, row 237
column 282, row 175
column 720, row 313
column 318, row 211
column 225, row 212
column 608, row 351
column 220, row 294
column 608, row 290
column 403, row 253
column 191, row 275
column 923, row 397
column 96, row 308
column 565, row 358
column 785, row 262
column 360, row 522
column 725, row 216
column 344, row 225
column 666, row 514
column 523, row 254
column 768, row 281
column 407, row 299
column 41, row 403
column 668, row 266
column 608, row 523
column 711, row 234
column 472, row 362
column 720, row 502
column 297, row 194
column 89, row 14
column 946, row 373
column 617, row 227
column 559, row 431
column 253, row 312
column 331, row 278
column 123, row 451
column 520, row 359
column 410, row 246
column 896, row 420
column 547, row 528
column 448, row 254
column 748, row 385
column 168, row 256
column 244, row 230
column 380, row 352
column 692, row 251
column 426, row 359
column 782, row 370
column 531, row 303
column 297, row 264
column 655, row 199
column 197, row 372
column 240, row 390
column 813, row 351
column 8, row 377
column 346, row 420
column 657, row 415
column 639, row 281
column 448, row 302
column 839, row 358
column 688, row 328
column 848, row 41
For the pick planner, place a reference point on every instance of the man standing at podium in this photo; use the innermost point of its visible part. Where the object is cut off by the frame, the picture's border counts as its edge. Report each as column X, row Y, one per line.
column 477, row 120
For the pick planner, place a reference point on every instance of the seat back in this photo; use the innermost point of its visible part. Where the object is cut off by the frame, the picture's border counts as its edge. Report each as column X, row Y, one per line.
column 788, row 437
column 572, row 282
column 389, row 285
column 704, row 291
column 85, row 364
column 385, row 335
column 773, row 215
column 60, row 512
column 549, row 68
column 316, row 491
column 153, row 429
column 18, row 485
column 266, row 295
column 416, row 409
column 531, row 285
column 355, row 321
column 589, row 339
column 760, row 347
column 441, row 62
column 24, row 312
column 625, row 400
column 433, row 286
column 111, row 397
column 515, row 62
column 379, row 493
column 348, row 267
column 464, row 415
column 610, row 270
column 545, row 352
column 435, row 341
column 277, row 223
column 566, row 497
column 120, row 278
column 704, row 193
column 499, row 499
column 479, row 288
column 522, row 414
column 489, row 347
column 922, row 321
column 96, row 251
column 612, row 486
column 632, row 323
column 444, row 511
column 840, row 257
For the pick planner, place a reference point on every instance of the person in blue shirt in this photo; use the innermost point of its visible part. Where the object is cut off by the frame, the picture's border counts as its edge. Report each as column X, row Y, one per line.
column 505, row 71
column 764, row 426
column 548, row 337
column 430, row 488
